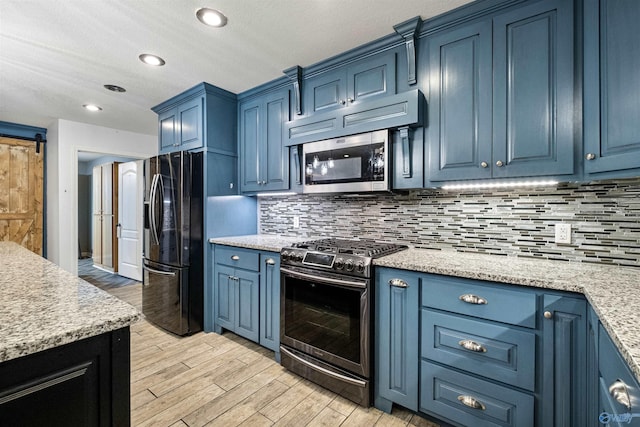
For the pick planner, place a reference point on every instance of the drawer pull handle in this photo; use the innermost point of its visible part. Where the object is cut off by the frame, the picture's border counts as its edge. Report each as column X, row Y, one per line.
column 618, row 390
column 270, row 261
column 472, row 299
column 471, row 402
column 472, row 346
column 398, row 283
column 235, row 257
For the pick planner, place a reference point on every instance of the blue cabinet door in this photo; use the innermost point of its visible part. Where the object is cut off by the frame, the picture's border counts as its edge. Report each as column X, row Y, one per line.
column 264, row 157
column 533, row 94
column 167, row 125
column 459, row 131
column 247, row 304
column 396, row 344
column 274, row 159
column 592, row 404
column 224, row 299
column 270, row 301
column 190, row 124
column 563, row 390
column 611, row 86
column 365, row 79
column 249, row 149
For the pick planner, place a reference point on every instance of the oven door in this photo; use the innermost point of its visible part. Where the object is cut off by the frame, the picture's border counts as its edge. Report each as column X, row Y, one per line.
column 326, row 316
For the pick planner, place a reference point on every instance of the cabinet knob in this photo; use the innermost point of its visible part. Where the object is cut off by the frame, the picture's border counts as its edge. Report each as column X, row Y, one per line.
column 618, row 390
column 499, row 163
column 398, row 283
column 343, row 102
column 235, row 257
column 350, row 100
column 548, row 315
column 472, row 299
column 471, row 402
column 472, row 346
column 269, row 261
column 484, row 164
column 590, row 156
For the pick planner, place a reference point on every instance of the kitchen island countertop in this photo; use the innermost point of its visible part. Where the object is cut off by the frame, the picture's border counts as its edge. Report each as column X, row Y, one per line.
column 43, row 306
column 612, row 291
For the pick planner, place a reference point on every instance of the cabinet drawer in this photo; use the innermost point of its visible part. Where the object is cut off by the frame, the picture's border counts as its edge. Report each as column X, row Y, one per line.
column 479, row 299
column 237, row 257
column 614, row 369
column 485, row 349
column 444, row 393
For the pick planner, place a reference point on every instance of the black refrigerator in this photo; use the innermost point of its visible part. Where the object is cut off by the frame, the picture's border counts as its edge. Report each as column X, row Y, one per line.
column 172, row 284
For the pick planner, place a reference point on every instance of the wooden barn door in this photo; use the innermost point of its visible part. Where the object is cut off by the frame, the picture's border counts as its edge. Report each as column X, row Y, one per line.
column 21, row 193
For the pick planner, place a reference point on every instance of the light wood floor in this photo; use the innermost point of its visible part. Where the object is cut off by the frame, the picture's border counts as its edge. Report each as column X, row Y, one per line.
column 225, row 380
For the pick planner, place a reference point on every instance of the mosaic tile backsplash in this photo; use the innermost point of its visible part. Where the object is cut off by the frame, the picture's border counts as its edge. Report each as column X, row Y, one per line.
column 605, row 220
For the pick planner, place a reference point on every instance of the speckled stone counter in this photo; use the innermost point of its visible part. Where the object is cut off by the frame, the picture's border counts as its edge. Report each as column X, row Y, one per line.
column 614, row 292
column 262, row 242
column 43, row 306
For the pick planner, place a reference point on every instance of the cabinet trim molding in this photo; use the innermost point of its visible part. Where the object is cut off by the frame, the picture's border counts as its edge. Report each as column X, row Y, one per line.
column 408, row 30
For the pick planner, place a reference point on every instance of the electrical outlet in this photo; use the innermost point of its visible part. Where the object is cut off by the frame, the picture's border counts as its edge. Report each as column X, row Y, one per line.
column 296, row 221
column 563, row 233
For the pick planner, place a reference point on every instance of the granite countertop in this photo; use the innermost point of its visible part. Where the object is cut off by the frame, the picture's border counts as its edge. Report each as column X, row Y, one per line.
column 262, row 242
column 43, row 306
column 613, row 292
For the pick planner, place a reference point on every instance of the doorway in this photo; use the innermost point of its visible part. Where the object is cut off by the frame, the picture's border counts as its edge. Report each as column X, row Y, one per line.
column 131, row 230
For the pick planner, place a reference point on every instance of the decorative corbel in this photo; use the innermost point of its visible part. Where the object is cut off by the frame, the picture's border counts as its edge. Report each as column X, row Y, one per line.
column 408, row 30
column 295, row 75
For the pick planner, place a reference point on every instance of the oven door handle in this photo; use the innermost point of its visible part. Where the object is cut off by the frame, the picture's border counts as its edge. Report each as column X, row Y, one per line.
column 339, row 282
column 325, row 371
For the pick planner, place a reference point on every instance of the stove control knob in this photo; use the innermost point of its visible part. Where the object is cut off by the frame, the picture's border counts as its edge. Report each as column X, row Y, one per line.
column 348, row 265
column 339, row 264
column 299, row 257
column 285, row 255
column 360, row 267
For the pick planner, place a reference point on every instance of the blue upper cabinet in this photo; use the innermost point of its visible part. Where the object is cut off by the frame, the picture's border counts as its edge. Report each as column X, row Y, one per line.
column 201, row 117
column 501, row 95
column 264, row 159
column 459, row 131
column 611, row 88
column 345, row 86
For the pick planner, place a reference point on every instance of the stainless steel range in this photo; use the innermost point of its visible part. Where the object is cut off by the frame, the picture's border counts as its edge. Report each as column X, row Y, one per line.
column 326, row 302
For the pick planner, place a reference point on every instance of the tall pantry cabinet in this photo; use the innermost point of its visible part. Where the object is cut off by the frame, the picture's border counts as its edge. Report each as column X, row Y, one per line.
column 105, row 216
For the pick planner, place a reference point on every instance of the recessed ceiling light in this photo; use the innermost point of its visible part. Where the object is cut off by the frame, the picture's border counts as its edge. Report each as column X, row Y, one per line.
column 115, row 88
column 92, row 107
column 211, row 17
column 154, row 60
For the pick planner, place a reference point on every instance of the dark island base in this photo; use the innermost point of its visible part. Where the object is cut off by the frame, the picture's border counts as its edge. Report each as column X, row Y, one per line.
column 84, row 383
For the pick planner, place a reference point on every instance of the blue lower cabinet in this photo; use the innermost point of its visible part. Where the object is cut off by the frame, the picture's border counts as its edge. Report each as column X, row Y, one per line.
column 470, row 401
column 246, row 295
column 491, row 350
column 563, row 361
column 396, row 339
column 619, row 402
column 270, row 301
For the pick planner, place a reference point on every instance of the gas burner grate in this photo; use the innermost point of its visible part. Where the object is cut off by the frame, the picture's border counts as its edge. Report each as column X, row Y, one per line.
column 366, row 248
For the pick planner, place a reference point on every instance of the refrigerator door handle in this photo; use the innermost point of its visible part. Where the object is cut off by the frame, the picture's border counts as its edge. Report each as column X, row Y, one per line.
column 164, row 273
column 152, row 209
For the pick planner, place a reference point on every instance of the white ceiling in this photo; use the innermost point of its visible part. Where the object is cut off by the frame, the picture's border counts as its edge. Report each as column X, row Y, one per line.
column 57, row 55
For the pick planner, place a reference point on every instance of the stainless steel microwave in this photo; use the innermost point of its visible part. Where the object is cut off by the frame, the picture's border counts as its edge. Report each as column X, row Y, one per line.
column 356, row 163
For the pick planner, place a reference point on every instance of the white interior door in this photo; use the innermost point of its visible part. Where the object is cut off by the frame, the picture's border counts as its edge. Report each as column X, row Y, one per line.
column 130, row 187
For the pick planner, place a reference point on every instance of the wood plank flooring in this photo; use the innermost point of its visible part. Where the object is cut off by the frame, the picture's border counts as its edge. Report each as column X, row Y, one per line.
column 224, row 380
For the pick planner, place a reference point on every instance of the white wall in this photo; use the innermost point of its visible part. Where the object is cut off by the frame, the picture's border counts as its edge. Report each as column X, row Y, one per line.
column 64, row 139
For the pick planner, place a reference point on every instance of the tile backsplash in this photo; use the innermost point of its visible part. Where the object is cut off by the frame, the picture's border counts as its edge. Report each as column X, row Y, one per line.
column 605, row 220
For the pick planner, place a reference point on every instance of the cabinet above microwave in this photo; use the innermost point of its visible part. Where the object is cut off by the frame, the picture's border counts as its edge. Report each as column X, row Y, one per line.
column 403, row 109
